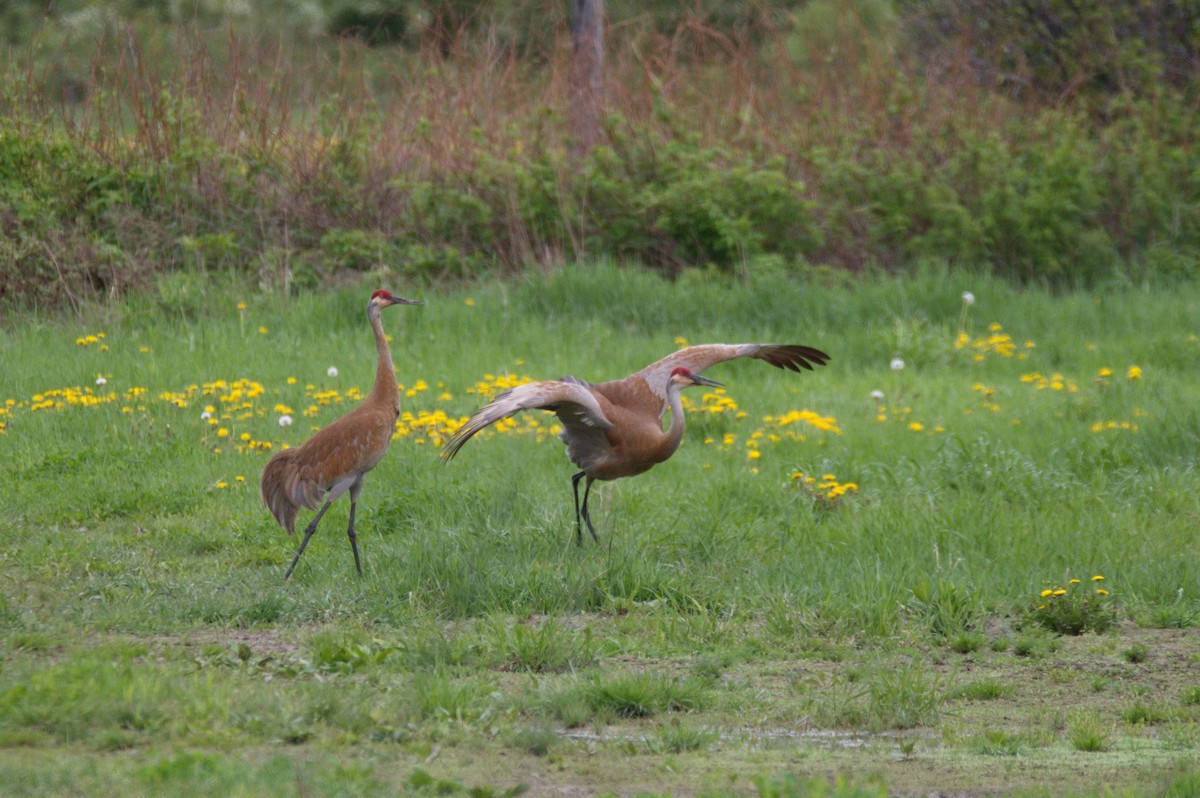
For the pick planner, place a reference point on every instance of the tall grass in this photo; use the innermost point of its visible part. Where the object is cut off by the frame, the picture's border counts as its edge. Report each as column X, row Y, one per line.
column 965, row 516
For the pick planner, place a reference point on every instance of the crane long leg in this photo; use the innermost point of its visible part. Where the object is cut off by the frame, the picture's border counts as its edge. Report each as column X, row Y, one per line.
column 587, row 491
column 353, row 537
column 578, row 527
column 308, row 533
column 583, row 510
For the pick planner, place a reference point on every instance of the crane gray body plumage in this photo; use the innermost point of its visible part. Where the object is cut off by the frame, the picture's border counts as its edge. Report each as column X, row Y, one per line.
column 614, row 429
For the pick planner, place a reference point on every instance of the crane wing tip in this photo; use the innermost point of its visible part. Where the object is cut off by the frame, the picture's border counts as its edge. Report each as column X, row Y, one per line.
column 794, row 357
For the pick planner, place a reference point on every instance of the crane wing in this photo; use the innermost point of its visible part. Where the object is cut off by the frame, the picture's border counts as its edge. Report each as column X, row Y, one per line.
column 697, row 358
column 570, row 399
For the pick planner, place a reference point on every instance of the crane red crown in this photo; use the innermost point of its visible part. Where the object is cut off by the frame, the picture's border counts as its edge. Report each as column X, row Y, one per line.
column 381, row 293
column 681, row 370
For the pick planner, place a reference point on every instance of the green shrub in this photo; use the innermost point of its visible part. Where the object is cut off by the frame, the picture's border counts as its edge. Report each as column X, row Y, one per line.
column 678, row 202
column 1059, row 47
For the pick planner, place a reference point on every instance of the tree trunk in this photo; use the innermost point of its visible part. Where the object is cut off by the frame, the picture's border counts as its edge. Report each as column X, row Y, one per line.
column 587, row 68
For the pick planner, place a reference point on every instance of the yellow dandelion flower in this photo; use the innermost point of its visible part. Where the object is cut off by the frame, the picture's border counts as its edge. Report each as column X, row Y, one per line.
column 1046, row 592
column 469, row 302
column 916, row 426
column 1104, row 372
column 1101, row 591
column 1097, row 578
column 1073, row 582
column 1134, row 373
column 222, row 484
column 681, row 341
column 754, row 454
column 1059, row 592
column 240, row 478
column 262, row 330
column 222, row 433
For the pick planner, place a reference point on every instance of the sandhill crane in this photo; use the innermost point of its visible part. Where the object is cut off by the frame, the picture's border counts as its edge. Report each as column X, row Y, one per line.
column 336, row 459
column 614, row 429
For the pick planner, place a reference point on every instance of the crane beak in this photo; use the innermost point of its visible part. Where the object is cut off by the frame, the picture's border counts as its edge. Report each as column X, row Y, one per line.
column 698, row 380
column 399, row 300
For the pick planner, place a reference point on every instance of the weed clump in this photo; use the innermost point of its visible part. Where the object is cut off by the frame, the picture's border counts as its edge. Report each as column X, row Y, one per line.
column 1076, row 608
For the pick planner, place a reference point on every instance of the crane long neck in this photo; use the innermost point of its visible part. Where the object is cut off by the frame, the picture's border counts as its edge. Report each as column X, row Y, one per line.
column 385, row 373
column 674, row 433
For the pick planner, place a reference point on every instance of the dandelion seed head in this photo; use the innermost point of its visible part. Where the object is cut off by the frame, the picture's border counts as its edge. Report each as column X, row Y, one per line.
column 897, row 364
column 968, row 298
column 877, row 395
column 332, row 372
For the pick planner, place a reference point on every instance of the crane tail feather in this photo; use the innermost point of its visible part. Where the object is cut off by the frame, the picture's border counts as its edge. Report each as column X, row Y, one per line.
column 285, row 489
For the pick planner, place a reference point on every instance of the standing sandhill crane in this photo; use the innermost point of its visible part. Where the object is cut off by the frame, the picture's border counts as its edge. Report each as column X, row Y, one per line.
column 336, row 459
column 614, row 429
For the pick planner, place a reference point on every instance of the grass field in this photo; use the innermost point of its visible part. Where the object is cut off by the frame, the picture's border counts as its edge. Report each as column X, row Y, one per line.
column 739, row 628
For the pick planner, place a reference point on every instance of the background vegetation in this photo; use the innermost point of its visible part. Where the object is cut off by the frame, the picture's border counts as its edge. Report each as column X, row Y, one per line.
column 1042, row 141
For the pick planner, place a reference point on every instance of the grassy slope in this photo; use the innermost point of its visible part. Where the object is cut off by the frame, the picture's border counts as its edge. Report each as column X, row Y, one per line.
column 145, row 613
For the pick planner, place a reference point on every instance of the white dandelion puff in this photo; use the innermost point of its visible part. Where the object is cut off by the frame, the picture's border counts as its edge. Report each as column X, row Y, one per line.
column 332, row 371
column 877, row 395
column 285, row 421
column 968, row 298
column 897, row 364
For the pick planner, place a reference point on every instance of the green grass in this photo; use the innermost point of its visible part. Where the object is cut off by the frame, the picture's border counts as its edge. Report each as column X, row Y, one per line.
column 729, row 615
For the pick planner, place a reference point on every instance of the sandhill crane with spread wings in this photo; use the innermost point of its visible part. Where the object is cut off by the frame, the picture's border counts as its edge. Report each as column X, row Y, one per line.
column 614, row 429
column 336, row 459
